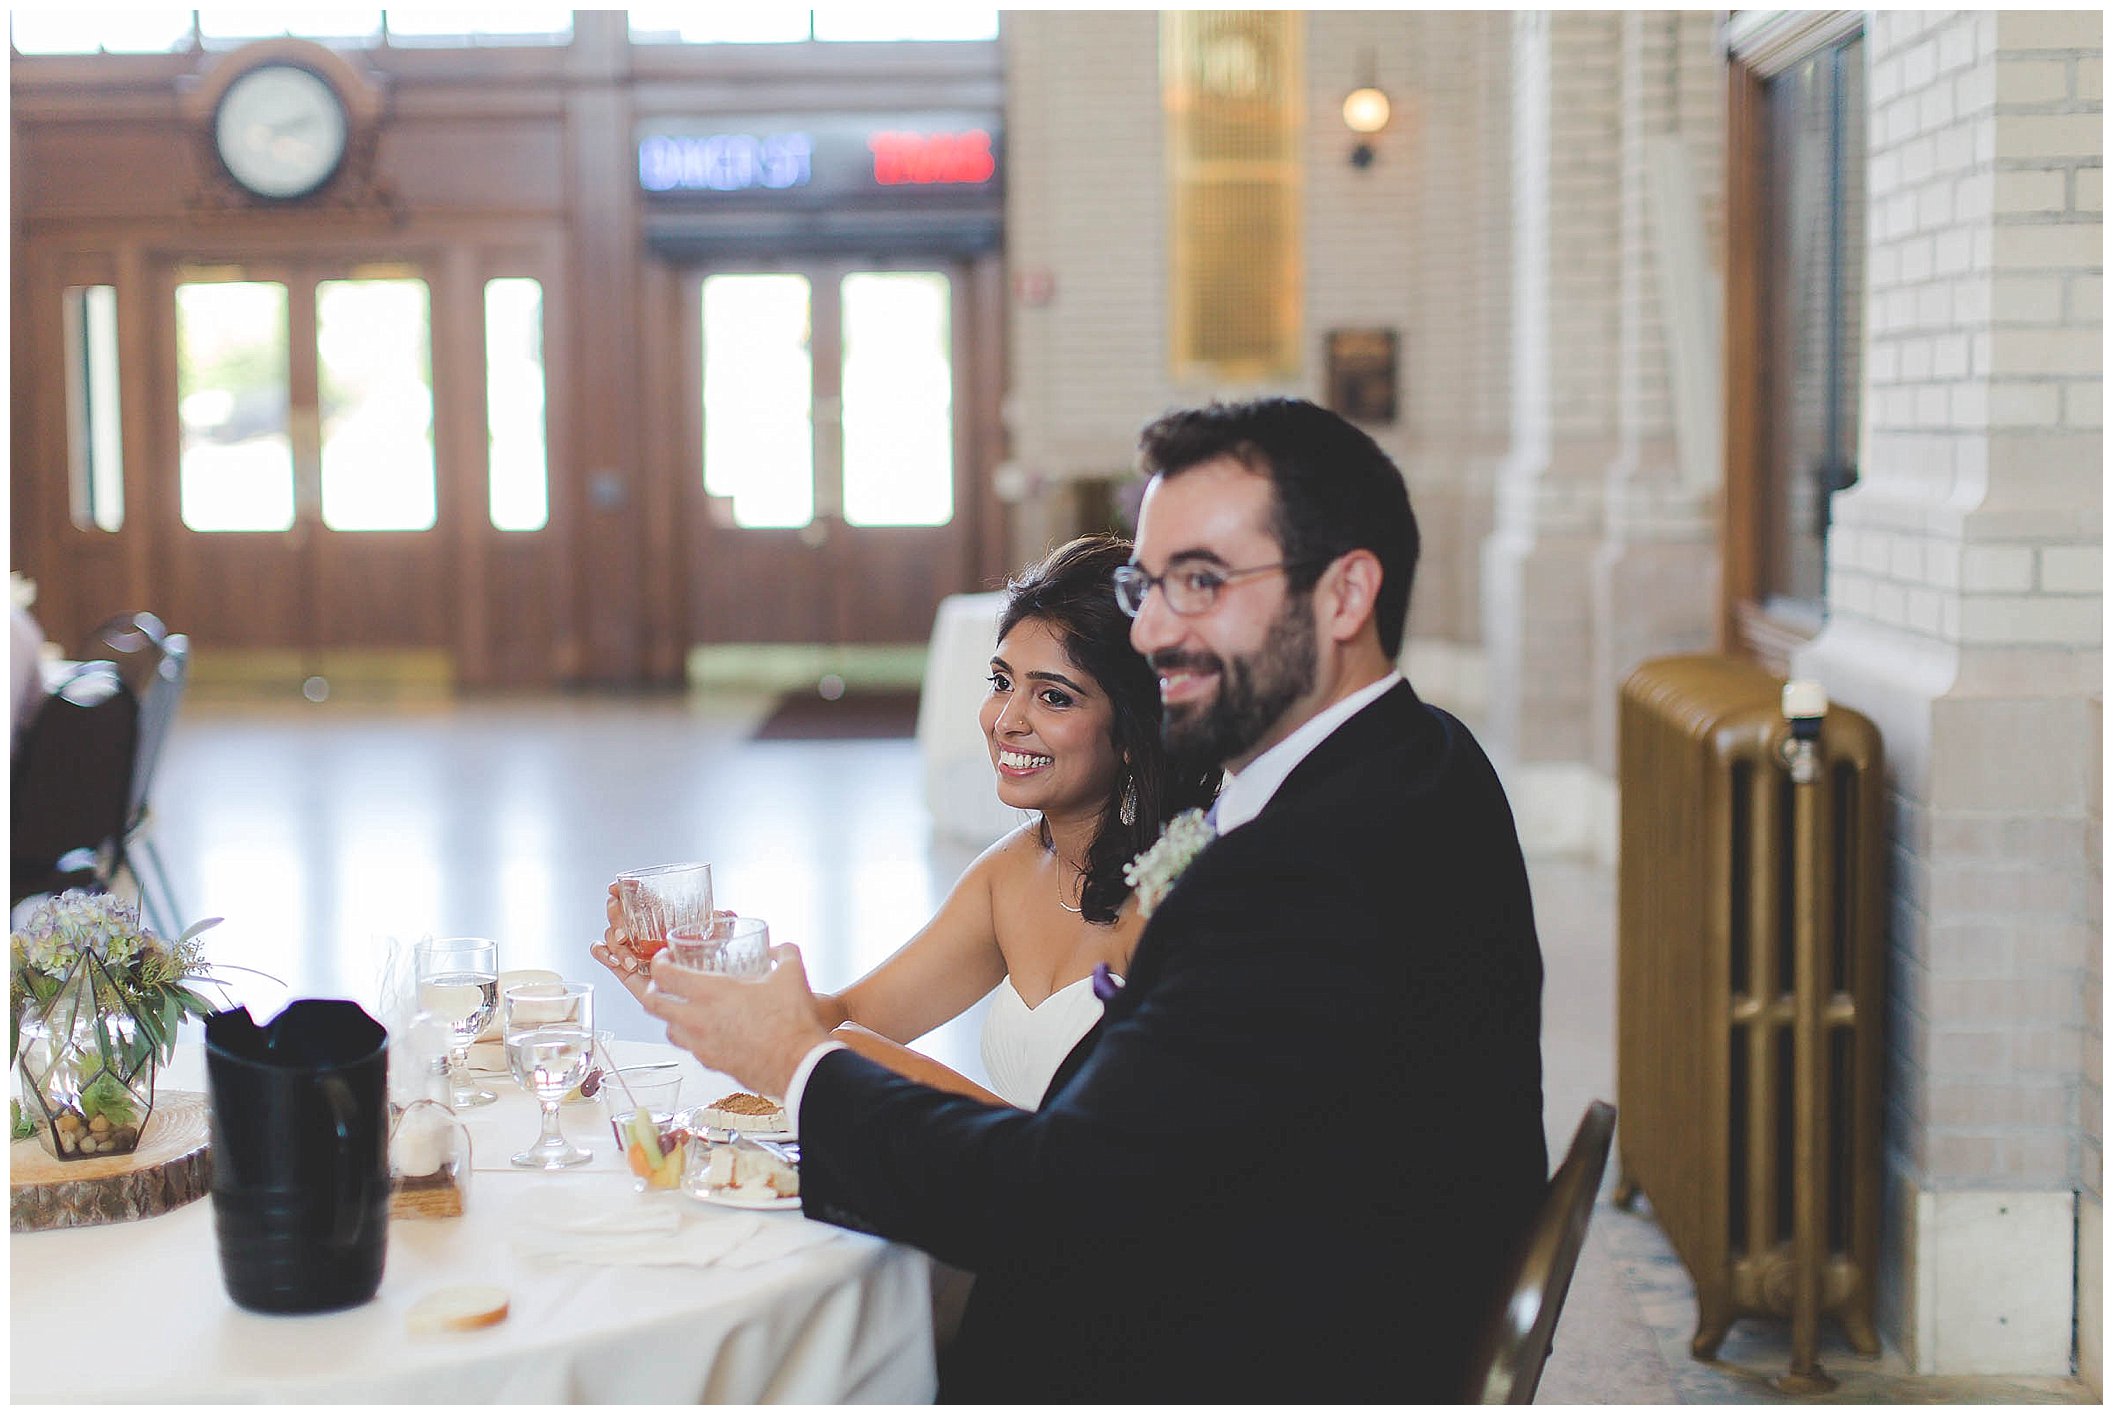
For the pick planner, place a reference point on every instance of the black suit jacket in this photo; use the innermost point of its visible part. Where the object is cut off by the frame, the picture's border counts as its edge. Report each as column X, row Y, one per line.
column 1294, row 1157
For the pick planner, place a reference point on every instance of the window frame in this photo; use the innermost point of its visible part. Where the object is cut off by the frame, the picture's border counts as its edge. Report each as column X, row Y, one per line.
column 1760, row 45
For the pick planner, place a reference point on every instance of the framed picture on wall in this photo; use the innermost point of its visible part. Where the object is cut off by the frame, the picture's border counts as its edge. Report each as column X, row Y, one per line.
column 1362, row 373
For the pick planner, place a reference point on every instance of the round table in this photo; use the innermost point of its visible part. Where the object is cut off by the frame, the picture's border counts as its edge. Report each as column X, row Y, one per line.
column 794, row 1311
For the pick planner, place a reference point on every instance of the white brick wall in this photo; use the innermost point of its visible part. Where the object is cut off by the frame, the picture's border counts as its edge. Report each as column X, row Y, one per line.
column 1965, row 596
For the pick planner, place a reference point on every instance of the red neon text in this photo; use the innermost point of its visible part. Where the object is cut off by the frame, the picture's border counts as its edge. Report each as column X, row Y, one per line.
column 926, row 159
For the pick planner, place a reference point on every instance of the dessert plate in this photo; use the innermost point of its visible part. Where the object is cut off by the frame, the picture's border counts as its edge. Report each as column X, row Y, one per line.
column 727, row 1198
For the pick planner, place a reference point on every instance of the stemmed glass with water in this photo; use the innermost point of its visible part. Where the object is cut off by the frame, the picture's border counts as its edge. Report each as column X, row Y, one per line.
column 458, row 982
column 549, row 1029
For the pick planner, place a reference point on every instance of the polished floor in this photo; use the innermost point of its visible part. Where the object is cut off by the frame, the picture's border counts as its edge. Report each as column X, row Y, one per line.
column 326, row 834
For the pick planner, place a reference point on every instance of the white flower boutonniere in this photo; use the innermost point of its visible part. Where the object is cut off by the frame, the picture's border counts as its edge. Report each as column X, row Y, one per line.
column 1153, row 873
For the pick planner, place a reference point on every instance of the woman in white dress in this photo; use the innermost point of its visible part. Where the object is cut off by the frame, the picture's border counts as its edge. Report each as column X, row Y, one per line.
column 1072, row 725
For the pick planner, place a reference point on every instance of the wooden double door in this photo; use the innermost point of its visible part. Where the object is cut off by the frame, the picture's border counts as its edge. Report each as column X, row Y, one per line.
column 305, row 458
column 835, row 411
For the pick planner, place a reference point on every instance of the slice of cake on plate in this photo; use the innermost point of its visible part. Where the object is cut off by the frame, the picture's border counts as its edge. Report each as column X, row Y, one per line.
column 742, row 1110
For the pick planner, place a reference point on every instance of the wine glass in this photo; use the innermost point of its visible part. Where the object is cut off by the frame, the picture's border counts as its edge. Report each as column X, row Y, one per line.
column 549, row 1030
column 458, row 982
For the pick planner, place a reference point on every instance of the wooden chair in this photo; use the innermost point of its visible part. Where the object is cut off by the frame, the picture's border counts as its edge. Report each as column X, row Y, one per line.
column 1508, row 1364
column 71, row 796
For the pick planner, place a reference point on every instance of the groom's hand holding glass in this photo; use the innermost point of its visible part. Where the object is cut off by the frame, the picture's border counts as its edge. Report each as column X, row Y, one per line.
column 756, row 1030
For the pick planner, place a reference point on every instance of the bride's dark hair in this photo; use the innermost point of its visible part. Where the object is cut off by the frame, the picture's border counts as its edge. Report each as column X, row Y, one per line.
column 1072, row 591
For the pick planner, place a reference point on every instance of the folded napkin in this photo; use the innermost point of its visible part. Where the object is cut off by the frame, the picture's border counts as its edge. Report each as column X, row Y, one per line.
column 613, row 1228
column 508, row 979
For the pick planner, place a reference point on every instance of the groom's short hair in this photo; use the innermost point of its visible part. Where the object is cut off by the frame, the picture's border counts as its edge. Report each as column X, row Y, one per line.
column 1336, row 491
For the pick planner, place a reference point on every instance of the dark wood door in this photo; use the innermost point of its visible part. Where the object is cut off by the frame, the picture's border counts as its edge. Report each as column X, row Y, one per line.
column 298, row 419
column 829, row 495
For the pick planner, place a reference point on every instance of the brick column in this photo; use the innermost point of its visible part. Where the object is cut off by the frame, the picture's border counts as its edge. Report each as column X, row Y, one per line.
column 1964, row 616
column 1537, row 563
column 1458, row 348
column 1653, row 577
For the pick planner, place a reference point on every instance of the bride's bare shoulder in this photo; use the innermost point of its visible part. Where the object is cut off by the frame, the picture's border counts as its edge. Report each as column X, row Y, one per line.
column 1017, row 850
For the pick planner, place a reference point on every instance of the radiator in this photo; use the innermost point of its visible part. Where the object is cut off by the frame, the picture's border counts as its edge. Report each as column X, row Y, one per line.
column 1751, row 957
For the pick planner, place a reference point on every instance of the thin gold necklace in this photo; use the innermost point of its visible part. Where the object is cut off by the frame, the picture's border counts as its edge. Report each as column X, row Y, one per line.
column 1080, row 907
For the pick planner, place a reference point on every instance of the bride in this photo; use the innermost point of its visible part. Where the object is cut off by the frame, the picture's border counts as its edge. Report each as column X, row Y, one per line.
column 1072, row 725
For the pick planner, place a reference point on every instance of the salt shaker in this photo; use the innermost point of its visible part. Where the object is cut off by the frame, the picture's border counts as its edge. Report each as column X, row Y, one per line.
column 429, row 1147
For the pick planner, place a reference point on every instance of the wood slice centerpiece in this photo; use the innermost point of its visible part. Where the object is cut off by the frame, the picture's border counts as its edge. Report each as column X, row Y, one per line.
column 172, row 1166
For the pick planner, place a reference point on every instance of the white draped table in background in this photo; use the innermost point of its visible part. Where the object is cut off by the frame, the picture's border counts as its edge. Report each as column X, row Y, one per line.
column 960, row 784
column 718, row 1304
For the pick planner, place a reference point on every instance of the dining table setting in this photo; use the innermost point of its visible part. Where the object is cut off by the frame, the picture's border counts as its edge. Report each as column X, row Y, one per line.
column 498, row 1202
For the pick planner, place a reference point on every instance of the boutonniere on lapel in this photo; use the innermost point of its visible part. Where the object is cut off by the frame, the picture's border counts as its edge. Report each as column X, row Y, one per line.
column 1153, row 873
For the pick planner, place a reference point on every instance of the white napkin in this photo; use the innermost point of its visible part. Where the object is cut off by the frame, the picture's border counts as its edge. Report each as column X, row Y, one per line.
column 508, row 978
column 600, row 1227
column 622, row 1230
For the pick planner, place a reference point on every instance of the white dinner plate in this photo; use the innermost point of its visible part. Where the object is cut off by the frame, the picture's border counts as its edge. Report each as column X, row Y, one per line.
column 727, row 1198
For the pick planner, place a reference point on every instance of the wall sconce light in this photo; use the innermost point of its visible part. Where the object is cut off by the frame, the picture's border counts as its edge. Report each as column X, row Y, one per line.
column 1365, row 112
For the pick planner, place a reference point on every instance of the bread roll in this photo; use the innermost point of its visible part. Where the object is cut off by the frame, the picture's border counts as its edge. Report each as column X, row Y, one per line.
column 462, row 1307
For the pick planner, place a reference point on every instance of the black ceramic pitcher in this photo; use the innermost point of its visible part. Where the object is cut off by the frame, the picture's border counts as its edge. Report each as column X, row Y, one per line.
column 300, row 1125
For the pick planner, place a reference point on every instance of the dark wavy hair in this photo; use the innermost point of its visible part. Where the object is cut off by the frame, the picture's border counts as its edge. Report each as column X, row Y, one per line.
column 1072, row 591
column 1336, row 490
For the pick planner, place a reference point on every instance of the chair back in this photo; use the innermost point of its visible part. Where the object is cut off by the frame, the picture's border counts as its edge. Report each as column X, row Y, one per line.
column 1507, row 1368
column 72, row 780
column 157, row 713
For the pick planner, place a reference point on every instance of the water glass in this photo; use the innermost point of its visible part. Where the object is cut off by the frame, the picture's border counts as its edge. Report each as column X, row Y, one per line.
column 549, row 1029
column 458, row 982
column 736, row 947
column 660, row 899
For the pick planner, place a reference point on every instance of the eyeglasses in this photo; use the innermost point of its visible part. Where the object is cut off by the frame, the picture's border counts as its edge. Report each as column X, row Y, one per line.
column 1189, row 589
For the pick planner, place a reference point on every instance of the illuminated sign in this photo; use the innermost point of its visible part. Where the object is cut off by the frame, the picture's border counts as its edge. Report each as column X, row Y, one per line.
column 804, row 161
column 931, row 159
column 726, row 162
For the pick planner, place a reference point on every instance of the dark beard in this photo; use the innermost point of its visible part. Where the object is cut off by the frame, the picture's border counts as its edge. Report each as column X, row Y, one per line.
column 1253, row 692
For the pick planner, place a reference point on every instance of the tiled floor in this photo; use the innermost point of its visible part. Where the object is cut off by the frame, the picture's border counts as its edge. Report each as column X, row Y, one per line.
column 320, row 832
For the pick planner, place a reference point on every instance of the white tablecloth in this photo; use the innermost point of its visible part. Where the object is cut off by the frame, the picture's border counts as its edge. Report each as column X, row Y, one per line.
column 795, row 1311
column 960, row 785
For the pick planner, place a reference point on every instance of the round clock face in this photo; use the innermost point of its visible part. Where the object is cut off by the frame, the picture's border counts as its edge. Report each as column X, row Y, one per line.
column 280, row 131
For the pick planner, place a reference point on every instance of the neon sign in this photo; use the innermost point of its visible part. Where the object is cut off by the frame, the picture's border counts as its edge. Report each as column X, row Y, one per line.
column 726, row 162
column 931, row 159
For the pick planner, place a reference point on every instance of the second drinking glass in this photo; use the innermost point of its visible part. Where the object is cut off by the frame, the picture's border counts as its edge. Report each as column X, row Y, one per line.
column 549, row 1045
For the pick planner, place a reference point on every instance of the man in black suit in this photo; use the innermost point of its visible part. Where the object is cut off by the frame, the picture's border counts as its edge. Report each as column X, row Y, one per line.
column 1296, row 1155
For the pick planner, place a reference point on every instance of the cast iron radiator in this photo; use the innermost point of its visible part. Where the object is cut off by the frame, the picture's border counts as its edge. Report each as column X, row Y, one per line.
column 1751, row 943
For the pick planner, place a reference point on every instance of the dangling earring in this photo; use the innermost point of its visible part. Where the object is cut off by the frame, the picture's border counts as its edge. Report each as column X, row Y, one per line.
column 1127, row 812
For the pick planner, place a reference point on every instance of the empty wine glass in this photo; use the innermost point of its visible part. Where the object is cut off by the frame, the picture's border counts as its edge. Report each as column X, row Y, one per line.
column 549, row 1029
column 458, row 982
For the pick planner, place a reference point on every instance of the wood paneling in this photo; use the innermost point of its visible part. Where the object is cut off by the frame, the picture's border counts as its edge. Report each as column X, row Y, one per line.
column 487, row 162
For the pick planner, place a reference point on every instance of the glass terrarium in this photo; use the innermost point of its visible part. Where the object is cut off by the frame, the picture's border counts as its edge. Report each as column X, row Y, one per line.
column 86, row 1067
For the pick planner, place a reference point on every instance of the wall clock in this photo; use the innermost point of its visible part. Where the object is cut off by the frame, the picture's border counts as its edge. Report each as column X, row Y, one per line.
column 281, row 131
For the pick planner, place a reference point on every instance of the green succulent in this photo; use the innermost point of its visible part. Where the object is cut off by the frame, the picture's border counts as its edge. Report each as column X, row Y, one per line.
column 21, row 1127
column 106, row 1096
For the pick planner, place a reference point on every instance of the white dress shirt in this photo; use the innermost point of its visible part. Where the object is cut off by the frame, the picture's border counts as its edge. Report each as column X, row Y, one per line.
column 1242, row 797
column 1240, row 800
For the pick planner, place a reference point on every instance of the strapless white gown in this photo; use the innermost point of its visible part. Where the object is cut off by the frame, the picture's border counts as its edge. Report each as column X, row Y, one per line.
column 1023, row 1046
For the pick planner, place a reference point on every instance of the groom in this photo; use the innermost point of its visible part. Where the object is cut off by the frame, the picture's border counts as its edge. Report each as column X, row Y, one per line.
column 1294, row 1158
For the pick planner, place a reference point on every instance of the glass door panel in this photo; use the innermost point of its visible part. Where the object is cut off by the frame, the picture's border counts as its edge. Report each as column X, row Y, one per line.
column 374, row 382
column 759, row 397
column 515, row 424
column 898, row 398
column 235, row 467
